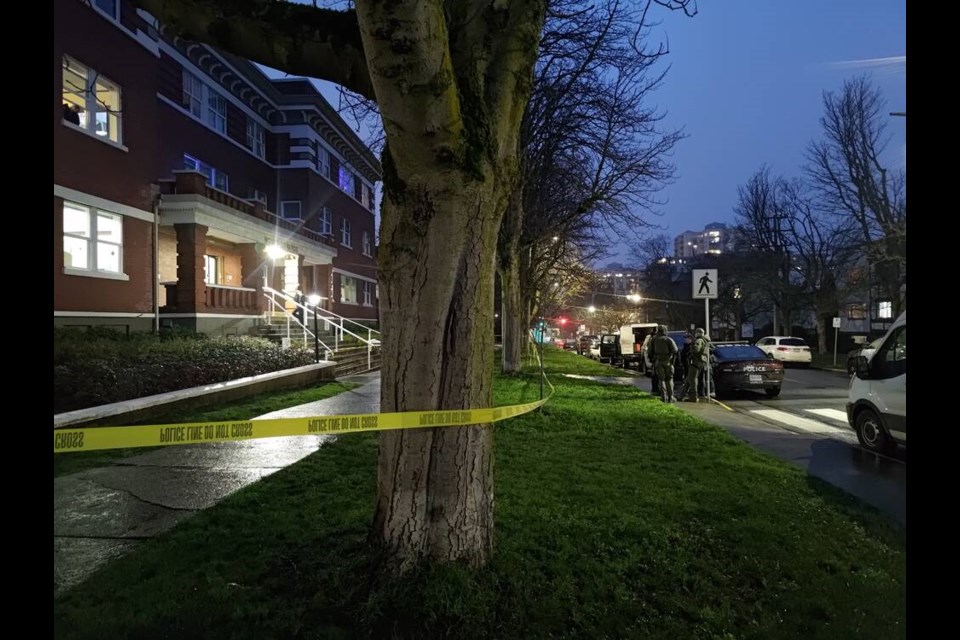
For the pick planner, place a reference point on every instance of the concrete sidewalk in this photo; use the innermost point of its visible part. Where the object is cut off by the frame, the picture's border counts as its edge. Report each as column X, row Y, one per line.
column 101, row 514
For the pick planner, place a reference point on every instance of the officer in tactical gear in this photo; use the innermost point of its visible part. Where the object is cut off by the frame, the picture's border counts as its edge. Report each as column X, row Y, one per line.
column 698, row 361
column 664, row 351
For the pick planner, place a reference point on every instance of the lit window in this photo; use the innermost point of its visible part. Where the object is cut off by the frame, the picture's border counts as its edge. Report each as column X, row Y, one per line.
column 216, row 178
column 90, row 101
column 368, row 293
column 326, row 222
column 290, row 210
column 348, row 289
column 346, row 180
column 92, row 240
column 345, row 233
column 366, row 244
column 256, row 139
column 885, row 310
column 211, row 269
column 856, row 312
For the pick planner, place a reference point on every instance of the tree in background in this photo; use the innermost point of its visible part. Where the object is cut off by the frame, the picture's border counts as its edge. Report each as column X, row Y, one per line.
column 591, row 154
column 846, row 173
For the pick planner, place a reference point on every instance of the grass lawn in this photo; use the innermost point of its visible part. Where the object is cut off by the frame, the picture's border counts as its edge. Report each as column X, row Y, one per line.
column 257, row 405
column 617, row 517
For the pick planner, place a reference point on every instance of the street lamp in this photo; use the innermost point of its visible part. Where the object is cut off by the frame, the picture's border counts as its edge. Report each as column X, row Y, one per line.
column 275, row 251
column 315, row 300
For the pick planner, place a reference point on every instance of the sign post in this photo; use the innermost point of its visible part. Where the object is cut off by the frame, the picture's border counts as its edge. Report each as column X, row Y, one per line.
column 705, row 287
column 836, row 332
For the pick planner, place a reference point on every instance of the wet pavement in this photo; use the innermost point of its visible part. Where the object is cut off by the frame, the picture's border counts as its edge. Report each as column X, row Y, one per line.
column 101, row 514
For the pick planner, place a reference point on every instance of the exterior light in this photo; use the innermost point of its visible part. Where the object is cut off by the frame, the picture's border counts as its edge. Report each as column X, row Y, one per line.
column 314, row 299
column 275, row 251
column 591, row 308
column 634, row 297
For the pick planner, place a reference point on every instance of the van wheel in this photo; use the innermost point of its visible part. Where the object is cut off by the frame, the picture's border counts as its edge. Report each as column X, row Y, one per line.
column 870, row 433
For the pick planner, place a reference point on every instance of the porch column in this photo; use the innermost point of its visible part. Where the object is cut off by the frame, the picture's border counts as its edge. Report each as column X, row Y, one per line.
column 191, row 288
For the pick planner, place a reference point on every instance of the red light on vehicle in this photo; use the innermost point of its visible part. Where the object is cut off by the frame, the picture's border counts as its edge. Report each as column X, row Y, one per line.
column 637, row 347
column 783, row 349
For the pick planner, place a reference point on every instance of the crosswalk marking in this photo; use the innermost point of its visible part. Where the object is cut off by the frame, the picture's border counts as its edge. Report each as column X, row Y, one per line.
column 806, row 424
column 833, row 414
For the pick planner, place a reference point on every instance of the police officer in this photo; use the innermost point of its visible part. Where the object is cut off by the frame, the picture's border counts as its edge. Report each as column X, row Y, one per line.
column 697, row 362
column 664, row 351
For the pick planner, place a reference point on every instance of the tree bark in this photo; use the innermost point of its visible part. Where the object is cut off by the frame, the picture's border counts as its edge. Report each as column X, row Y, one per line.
column 513, row 318
column 452, row 95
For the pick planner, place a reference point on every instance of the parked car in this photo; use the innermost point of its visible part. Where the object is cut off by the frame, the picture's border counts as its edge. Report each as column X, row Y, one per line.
column 570, row 344
column 743, row 366
column 877, row 402
column 609, row 350
column 786, row 349
column 866, row 351
column 584, row 344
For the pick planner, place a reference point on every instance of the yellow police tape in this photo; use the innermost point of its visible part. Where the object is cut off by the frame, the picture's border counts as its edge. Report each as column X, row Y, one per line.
column 67, row 440
column 158, row 435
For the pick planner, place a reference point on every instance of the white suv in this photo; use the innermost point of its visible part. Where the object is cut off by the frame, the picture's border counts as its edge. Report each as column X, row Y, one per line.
column 786, row 349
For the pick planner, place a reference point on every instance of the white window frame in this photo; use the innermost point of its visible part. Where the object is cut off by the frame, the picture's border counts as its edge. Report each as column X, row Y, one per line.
column 92, row 240
column 89, row 91
column 283, row 210
column 212, row 174
column 367, row 293
column 326, row 221
column 256, row 138
column 323, row 161
column 367, row 250
column 217, row 262
column 204, row 103
column 193, row 94
column 346, row 236
column 216, row 114
column 355, row 281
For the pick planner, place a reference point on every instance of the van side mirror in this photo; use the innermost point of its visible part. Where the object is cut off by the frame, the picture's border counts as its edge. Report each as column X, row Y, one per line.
column 862, row 369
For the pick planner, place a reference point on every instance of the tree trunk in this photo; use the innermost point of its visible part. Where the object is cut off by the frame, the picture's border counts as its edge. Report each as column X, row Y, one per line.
column 511, row 293
column 822, row 333
column 435, row 486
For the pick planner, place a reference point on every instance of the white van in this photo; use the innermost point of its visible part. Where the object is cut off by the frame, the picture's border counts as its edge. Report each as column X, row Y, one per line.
column 877, row 405
column 631, row 343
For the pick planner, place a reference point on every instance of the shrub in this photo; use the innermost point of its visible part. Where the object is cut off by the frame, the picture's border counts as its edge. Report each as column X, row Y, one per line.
column 91, row 368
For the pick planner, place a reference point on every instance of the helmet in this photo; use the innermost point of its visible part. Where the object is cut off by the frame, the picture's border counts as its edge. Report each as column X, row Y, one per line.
column 699, row 333
column 661, row 329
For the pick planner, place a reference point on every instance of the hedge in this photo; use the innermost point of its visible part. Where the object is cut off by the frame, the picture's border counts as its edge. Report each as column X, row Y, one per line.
column 99, row 366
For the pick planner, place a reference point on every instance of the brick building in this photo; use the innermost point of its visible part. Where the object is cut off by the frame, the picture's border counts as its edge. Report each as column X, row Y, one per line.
column 187, row 183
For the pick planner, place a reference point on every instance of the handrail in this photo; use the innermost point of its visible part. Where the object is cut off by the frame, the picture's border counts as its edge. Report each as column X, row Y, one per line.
column 368, row 340
column 306, row 330
column 332, row 313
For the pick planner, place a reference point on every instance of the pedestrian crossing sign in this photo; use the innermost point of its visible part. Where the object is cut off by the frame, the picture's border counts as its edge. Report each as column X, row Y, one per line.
column 704, row 284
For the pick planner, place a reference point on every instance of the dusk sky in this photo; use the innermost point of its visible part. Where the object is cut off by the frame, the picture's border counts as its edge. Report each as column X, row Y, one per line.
column 746, row 84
